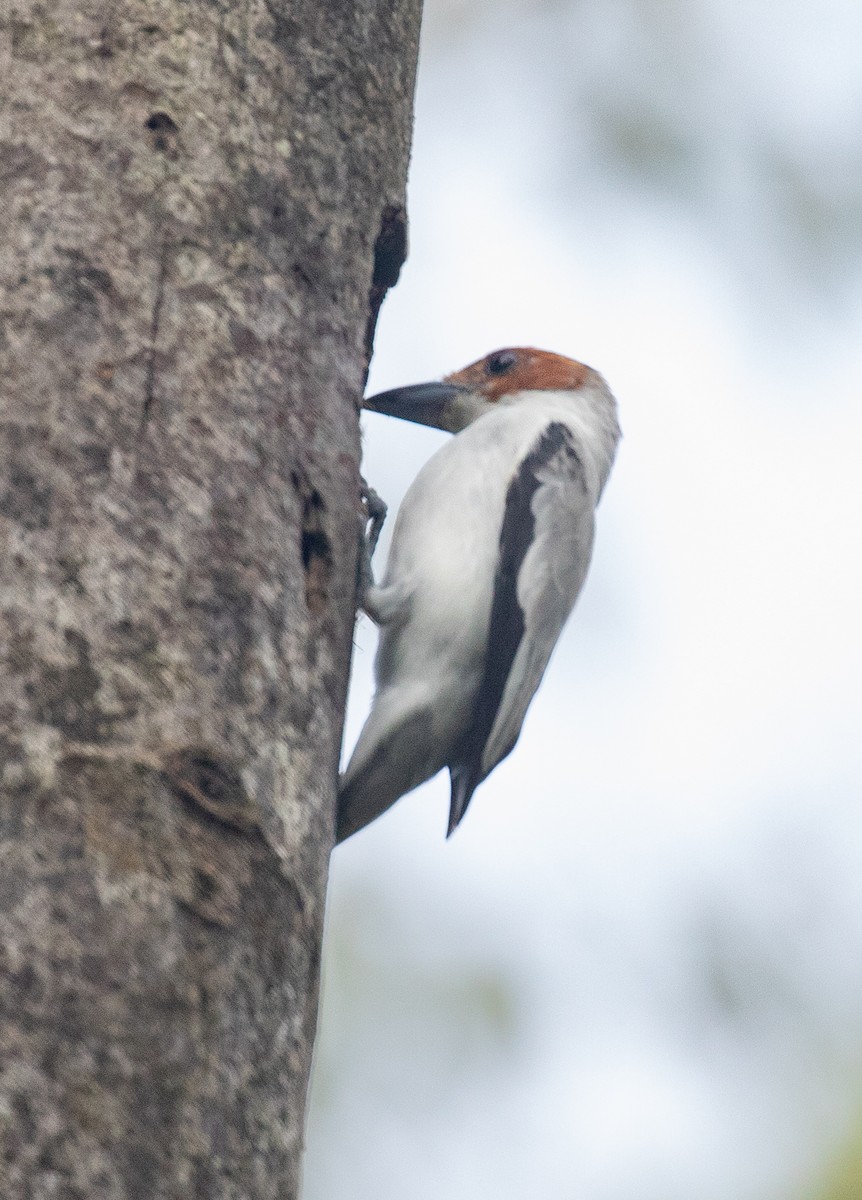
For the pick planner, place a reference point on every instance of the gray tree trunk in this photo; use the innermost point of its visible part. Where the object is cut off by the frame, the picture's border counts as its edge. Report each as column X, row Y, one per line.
column 202, row 206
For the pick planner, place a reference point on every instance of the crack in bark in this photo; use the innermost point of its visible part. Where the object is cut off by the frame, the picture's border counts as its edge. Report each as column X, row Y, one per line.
column 150, row 380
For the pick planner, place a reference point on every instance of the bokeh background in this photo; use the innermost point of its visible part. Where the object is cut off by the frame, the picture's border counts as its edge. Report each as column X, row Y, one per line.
column 635, row 973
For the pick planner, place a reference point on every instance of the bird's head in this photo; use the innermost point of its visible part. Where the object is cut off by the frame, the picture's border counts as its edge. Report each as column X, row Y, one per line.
column 502, row 378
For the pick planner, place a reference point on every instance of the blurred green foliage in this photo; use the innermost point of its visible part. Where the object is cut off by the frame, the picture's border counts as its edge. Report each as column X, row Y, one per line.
column 843, row 1178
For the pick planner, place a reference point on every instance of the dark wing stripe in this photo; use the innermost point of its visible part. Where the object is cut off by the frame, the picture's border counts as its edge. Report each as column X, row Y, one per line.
column 507, row 617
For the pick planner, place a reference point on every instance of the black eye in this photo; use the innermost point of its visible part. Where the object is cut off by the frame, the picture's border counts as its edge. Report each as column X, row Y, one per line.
column 501, row 362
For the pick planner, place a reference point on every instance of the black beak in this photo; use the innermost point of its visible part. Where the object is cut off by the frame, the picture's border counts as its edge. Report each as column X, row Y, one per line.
column 421, row 403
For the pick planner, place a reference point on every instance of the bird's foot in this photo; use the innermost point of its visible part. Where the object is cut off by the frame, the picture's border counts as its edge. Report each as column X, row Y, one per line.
column 375, row 515
column 371, row 523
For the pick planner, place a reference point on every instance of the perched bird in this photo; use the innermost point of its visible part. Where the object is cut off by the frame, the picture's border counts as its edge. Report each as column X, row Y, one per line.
column 490, row 550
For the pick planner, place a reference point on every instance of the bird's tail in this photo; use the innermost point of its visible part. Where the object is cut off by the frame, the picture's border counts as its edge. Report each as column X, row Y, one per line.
column 465, row 779
column 382, row 769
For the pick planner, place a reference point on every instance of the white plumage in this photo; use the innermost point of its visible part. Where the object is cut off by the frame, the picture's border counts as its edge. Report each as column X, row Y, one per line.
column 490, row 550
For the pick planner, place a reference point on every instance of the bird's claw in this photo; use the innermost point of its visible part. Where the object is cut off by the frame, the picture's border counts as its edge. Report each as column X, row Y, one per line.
column 375, row 515
column 371, row 523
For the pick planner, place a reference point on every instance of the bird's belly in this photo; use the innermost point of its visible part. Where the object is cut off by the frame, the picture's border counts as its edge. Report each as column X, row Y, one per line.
column 446, row 633
column 444, row 558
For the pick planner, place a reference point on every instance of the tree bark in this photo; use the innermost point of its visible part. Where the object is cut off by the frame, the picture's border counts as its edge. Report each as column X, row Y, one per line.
column 203, row 205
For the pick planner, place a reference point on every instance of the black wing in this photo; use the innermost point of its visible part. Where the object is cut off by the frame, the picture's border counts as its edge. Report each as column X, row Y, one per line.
column 545, row 545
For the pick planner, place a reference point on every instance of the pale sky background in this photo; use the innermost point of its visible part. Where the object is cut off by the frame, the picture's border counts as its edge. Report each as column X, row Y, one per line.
column 635, row 972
